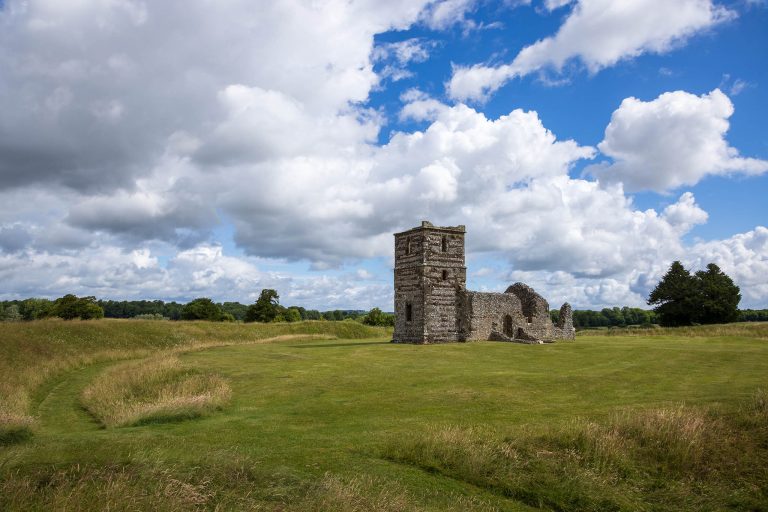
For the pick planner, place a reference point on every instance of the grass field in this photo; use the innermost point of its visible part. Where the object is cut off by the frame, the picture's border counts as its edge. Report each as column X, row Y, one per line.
column 330, row 416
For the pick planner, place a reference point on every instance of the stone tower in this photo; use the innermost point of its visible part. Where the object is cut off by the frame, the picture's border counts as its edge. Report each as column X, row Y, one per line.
column 430, row 275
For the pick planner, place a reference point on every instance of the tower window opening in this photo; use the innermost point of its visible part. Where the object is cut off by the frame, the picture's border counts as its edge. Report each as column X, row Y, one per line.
column 408, row 312
column 445, row 275
column 407, row 246
column 445, row 243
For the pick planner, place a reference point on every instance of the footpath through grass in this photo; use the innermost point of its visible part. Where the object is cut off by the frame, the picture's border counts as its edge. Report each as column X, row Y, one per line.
column 657, row 422
column 33, row 353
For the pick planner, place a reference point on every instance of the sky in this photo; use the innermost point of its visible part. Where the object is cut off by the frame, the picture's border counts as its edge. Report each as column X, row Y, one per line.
column 186, row 148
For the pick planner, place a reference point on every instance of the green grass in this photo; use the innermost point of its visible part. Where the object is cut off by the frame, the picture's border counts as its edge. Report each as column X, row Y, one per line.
column 156, row 389
column 33, row 353
column 674, row 458
column 634, row 422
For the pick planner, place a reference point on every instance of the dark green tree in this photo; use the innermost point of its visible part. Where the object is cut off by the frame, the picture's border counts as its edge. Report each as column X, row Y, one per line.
column 65, row 307
column 33, row 309
column 89, row 310
column 675, row 297
column 707, row 297
column 235, row 309
column 266, row 308
column 71, row 306
column 292, row 314
column 376, row 317
column 202, row 309
column 718, row 297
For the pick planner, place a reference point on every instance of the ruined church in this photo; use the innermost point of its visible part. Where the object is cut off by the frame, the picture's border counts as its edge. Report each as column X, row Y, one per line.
column 432, row 304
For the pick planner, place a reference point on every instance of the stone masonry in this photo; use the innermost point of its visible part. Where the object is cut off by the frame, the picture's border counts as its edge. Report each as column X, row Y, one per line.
column 432, row 304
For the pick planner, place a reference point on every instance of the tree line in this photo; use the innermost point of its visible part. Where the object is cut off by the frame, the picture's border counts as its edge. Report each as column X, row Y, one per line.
column 681, row 298
column 608, row 317
column 266, row 309
column 67, row 307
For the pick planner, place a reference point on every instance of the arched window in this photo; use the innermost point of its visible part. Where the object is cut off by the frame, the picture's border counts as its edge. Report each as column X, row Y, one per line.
column 445, row 275
column 445, row 243
column 408, row 312
column 407, row 246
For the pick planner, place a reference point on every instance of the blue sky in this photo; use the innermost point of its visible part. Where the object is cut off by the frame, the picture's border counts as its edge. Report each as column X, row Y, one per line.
column 585, row 144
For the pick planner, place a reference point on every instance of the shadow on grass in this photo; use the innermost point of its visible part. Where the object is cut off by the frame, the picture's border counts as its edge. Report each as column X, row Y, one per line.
column 336, row 345
column 9, row 436
column 166, row 418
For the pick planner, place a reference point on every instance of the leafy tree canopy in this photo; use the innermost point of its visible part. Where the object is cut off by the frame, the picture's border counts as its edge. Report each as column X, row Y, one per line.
column 718, row 296
column 204, row 309
column 377, row 317
column 11, row 314
column 71, row 306
column 266, row 308
column 292, row 315
column 706, row 297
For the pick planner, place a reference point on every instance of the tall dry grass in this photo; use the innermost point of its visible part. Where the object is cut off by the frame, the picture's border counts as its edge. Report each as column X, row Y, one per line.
column 677, row 458
column 756, row 330
column 153, row 390
column 216, row 487
column 135, row 487
column 32, row 353
column 366, row 493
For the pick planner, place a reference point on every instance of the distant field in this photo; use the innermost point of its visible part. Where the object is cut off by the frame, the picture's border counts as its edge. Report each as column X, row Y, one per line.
column 330, row 416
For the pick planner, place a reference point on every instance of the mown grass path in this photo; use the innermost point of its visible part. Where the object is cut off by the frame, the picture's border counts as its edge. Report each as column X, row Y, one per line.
column 57, row 405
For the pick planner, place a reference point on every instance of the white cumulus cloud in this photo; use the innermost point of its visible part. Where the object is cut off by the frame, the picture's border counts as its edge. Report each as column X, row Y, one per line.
column 675, row 140
column 597, row 33
column 131, row 134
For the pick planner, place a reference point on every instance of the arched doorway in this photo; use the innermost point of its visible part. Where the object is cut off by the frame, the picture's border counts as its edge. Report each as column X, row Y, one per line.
column 509, row 329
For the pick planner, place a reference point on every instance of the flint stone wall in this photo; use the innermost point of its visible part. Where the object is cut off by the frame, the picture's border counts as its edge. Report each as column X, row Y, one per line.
column 429, row 273
column 565, row 322
column 485, row 312
column 503, row 317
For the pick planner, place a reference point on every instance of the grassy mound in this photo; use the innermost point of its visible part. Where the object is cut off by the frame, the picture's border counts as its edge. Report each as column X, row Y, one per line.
column 33, row 352
column 154, row 390
column 661, row 459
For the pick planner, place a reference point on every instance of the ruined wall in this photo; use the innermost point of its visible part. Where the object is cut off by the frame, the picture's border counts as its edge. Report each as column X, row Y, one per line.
column 535, row 309
column 564, row 329
column 486, row 312
column 534, row 306
column 519, row 313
